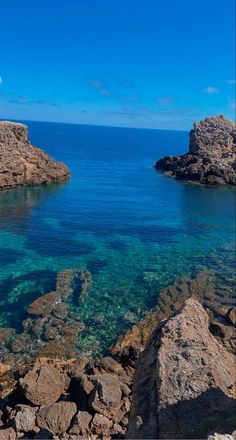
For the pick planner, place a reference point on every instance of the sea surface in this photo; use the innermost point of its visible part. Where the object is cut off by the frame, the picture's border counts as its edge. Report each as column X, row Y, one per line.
column 135, row 229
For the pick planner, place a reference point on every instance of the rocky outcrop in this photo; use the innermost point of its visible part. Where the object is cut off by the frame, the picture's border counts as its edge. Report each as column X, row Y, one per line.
column 184, row 382
column 22, row 164
column 183, row 388
column 211, row 156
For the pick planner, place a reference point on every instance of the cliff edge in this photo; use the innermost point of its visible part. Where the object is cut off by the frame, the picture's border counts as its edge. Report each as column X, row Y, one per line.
column 211, row 156
column 21, row 164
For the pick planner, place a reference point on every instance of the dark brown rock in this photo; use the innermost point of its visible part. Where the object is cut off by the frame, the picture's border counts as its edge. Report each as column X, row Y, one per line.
column 22, row 164
column 211, row 156
column 231, row 315
column 57, row 417
column 184, row 384
column 43, row 385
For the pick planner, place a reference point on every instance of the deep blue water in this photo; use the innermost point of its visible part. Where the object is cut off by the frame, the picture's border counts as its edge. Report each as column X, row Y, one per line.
column 134, row 228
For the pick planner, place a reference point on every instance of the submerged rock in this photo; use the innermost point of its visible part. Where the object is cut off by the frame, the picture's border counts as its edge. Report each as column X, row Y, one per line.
column 184, row 383
column 22, row 164
column 211, row 156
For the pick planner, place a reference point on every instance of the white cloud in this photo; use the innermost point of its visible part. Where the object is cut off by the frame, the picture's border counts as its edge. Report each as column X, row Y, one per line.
column 230, row 81
column 1, row 80
column 210, row 90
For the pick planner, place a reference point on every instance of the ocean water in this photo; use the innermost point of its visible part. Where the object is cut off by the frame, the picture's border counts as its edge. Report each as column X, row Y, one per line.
column 135, row 229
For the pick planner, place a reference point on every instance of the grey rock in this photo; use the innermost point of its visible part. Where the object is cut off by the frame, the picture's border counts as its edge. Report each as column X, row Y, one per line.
column 23, row 418
column 184, row 382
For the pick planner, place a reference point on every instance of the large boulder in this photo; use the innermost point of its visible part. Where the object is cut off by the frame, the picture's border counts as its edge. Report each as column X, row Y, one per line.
column 22, row 164
column 184, row 383
column 211, row 156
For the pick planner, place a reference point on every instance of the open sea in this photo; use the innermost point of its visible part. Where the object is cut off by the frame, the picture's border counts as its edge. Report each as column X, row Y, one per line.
column 135, row 229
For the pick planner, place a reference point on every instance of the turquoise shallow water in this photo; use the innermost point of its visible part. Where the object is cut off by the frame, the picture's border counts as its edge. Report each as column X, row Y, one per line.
column 135, row 229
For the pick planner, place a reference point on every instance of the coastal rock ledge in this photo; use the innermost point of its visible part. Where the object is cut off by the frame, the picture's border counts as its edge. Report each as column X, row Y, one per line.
column 211, row 156
column 22, row 164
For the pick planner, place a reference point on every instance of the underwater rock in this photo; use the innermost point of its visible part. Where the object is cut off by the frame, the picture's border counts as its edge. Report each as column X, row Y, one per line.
column 211, row 156
column 184, row 382
column 22, row 164
column 170, row 299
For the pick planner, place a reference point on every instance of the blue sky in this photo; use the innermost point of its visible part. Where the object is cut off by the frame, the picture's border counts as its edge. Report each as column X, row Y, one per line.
column 136, row 63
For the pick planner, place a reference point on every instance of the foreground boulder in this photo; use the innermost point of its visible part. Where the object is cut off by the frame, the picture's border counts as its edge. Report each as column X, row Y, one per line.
column 211, row 156
column 184, row 383
column 22, row 164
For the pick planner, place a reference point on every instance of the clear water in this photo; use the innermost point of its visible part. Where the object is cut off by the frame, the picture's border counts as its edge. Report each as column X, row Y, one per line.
column 135, row 229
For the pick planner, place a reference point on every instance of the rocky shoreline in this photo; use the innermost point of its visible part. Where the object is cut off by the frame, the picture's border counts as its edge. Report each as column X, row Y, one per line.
column 181, row 385
column 211, row 156
column 21, row 164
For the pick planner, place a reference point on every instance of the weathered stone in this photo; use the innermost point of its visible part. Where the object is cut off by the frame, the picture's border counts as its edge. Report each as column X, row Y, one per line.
column 192, row 375
column 7, row 434
column 222, row 436
column 80, row 425
column 106, row 396
column 43, row 385
column 22, row 164
column 56, row 418
column 23, row 418
column 44, row 304
column 211, row 156
column 231, row 315
column 101, row 426
column 4, row 368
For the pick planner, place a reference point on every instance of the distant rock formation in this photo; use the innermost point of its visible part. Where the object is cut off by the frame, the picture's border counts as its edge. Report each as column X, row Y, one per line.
column 22, row 164
column 184, row 382
column 211, row 156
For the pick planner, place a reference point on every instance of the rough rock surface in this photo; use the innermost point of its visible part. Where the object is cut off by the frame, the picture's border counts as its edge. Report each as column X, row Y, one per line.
column 22, row 164
column 184, row 383
column 43, row 385
column 211, row 156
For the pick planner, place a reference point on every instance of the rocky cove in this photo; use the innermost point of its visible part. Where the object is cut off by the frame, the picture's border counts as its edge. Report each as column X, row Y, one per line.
column 50, row 390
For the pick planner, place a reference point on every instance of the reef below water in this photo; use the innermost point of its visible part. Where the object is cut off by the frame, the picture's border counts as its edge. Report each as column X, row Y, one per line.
column 53, row 326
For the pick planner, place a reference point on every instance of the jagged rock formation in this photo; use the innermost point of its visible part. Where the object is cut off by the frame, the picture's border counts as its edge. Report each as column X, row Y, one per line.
column 22, row 164
column 184, row 386
column 66, row 400
column 184, row 382
column 211, row 156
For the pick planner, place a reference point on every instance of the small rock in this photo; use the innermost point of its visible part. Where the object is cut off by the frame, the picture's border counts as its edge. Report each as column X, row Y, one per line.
column 56, row 418
column 7, row 434
column 101, row 425
column 4, row 368
column 106, row 397
column 80, row 424
column 23, row 418
column 231, row 315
